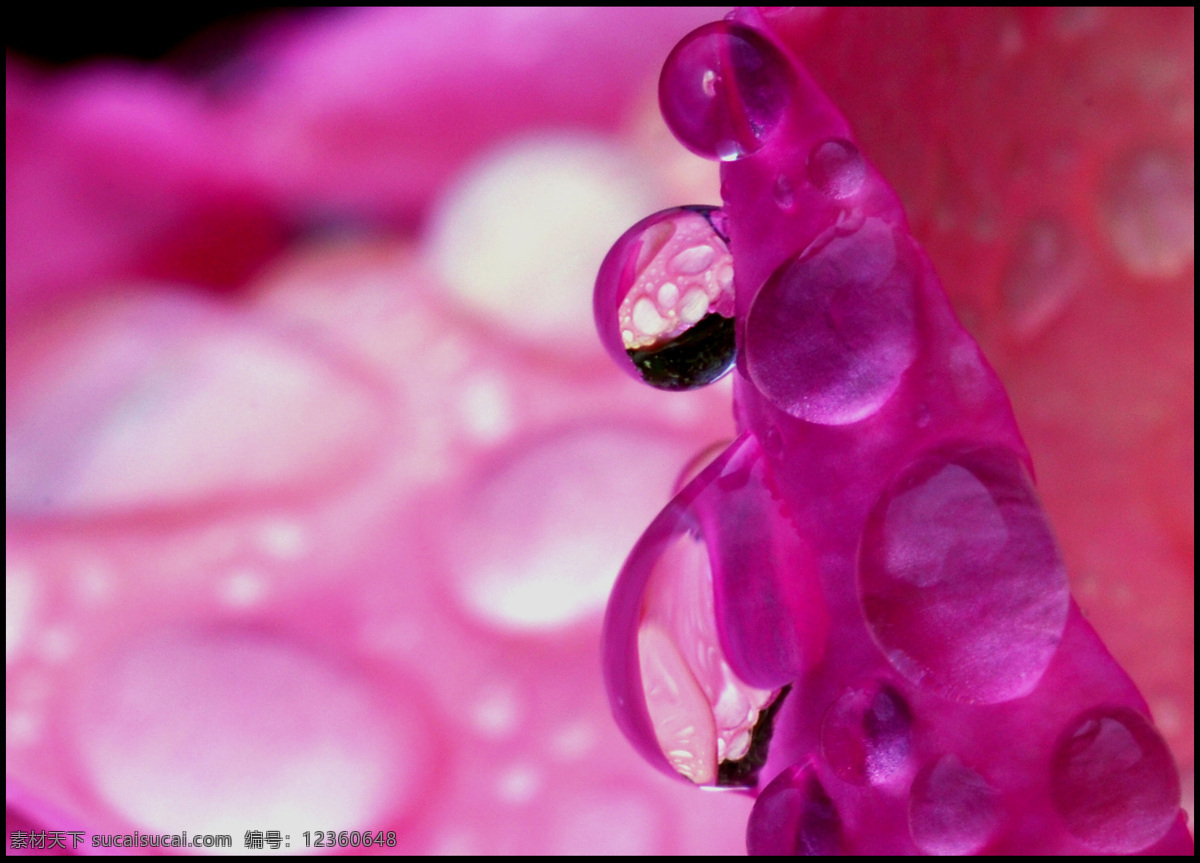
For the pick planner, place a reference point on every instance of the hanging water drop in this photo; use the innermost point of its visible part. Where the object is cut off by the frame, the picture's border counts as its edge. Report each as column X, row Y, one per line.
column 723, row 90
column 664, row 300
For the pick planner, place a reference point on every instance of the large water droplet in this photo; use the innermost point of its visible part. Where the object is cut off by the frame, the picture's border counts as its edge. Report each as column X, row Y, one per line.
column 794, row 815
column 830, row 334
column 1114, row 782
column 723, row 89
column 669, row 675
column 961, row 582
column 836, row 168
column 664, row 300
column 953, row 810
column 866, row 735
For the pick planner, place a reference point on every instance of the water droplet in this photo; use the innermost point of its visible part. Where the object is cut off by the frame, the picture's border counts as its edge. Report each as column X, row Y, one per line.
column 794, row 816
column 866, row 735
column 688, row 686
column 1114, row 782
column 662, row 650
column 783, row 193
column 1149, row 209
column 836, row 168
column 664, row 300
column 960, row 578
column 952, row 809
column 723, row 90
column 830, row 334
column 1042, row 277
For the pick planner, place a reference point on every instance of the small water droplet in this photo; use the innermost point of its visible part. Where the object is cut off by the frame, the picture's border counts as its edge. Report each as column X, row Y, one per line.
column 794, row 815
column 953, row 810
column 961, row 581
column 836, row 168
column 773, row 441
column 1114, row 782
column 782, row 191
column 1042, row 277
column 1149, row 209
column 723, row 90
column 664, row 300
column 866, row 735
column 831, row 333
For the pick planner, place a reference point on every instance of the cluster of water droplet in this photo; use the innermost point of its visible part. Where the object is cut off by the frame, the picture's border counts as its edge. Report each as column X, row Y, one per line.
column 865, row 573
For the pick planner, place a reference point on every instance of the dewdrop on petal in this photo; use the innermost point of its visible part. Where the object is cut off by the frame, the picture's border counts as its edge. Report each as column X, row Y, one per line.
column 664, row 299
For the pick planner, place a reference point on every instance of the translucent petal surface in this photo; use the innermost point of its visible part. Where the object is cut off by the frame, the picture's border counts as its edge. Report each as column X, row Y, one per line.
column 961, row 704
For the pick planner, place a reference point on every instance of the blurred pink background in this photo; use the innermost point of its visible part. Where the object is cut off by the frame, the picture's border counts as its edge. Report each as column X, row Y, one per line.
column 318, row 477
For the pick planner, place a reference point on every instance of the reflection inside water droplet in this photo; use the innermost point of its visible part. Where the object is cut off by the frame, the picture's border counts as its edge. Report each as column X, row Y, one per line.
column 704, row 717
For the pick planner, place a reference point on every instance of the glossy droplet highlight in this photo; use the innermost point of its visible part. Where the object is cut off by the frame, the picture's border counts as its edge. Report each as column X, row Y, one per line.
column 723, row 90
column 866, row 735
column 960, row 578
column 953, row 810
column 836, row 168
column 795, row 815
column 1114, row 782
column 664, row 300
column 830, row 334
